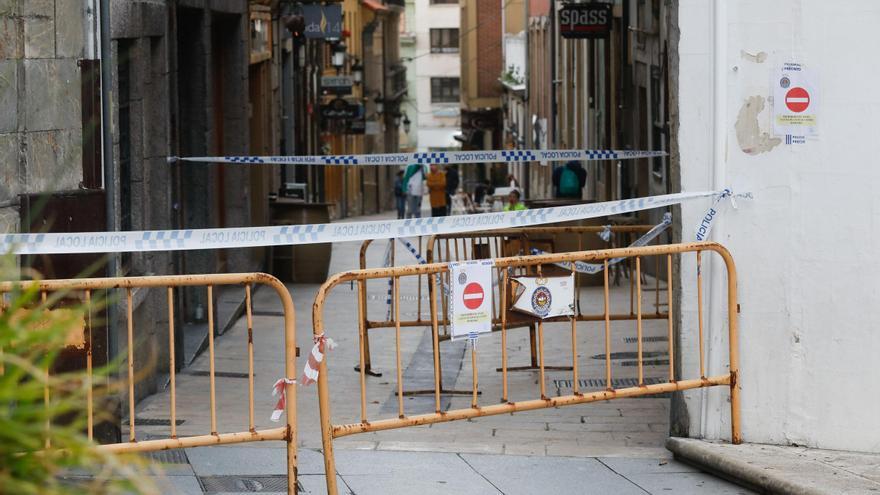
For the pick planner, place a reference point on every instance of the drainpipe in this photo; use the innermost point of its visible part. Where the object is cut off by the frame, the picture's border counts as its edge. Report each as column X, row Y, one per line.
column 552, row 75
column 719, row 136
column 110, row 178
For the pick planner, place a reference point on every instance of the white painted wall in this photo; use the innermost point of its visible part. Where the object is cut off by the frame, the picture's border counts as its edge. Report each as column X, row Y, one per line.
column 807, row 247
column 437, row 122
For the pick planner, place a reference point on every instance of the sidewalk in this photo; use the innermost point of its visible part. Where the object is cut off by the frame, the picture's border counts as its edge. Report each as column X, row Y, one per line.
column 785, row 470
column 248, row 469
column 630, row 431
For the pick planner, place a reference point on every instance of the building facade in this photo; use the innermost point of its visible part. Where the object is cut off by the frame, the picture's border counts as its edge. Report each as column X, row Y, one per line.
column 608, row 92
column 186, row 78
column 437, row 67
column 807, row 336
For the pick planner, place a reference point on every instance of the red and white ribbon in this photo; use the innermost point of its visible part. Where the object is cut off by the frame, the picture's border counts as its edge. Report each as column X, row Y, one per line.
column 280, row 390
column 310, row 372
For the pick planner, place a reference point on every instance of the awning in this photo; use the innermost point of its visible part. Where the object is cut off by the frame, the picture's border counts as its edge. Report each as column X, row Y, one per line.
column 374, row 5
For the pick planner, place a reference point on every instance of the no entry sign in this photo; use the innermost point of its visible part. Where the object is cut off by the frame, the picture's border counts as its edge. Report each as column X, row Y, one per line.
column 471, row 308
column 797, row 99
column 795, row 103
column 473, row 295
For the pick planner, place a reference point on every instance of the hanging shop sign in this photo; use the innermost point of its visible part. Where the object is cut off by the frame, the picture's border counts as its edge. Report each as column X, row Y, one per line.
column 585, row 20
column 338, row 108
column 322, row 21
column 340, row 85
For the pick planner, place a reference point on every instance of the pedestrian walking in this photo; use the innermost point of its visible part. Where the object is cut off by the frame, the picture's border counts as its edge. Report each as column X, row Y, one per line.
column 400, row 195
column 414, row 178
column 437, row 191
column 569, row 180
column 451, row 187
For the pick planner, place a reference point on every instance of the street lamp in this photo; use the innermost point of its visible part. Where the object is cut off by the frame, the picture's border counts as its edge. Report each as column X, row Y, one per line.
column 338, row 59
column 406, row 123
column 380, row 103
column 357, row 72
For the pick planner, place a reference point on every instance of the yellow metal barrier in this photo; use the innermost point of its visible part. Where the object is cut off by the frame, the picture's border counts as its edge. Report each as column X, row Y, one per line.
column 84, row 288
column 509, row 242
column 532, row 264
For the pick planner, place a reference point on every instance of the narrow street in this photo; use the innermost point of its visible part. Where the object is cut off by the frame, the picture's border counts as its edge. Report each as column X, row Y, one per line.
column 611, row 447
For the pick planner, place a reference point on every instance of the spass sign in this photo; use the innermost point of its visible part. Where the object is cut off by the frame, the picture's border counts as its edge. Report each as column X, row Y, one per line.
column 585, row 20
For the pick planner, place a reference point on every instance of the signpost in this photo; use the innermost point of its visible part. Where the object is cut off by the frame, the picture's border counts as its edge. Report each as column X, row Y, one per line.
column 585, row 20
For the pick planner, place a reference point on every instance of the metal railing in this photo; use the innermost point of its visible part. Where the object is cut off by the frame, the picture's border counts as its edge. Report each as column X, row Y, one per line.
column 534, row 264
column 83, row 290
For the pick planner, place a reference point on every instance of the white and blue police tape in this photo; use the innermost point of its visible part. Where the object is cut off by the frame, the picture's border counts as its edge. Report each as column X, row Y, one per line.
column 593, row 268
column 431, row 157
column 705, row 227
column 249, row 237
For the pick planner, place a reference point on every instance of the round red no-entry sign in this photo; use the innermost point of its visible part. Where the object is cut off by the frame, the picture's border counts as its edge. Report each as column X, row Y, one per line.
column 797, row 99
column 472, row 295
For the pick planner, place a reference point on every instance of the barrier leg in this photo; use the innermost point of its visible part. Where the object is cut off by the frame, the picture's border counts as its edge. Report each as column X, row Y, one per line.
column 534, row 365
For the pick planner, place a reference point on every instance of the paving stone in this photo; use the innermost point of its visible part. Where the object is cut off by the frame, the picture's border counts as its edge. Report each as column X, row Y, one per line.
column 630, row 465
column 686, row 484
column 379, row 472
column 529, row 475
column 253, row 461
column 183, row 485
column 317, row 485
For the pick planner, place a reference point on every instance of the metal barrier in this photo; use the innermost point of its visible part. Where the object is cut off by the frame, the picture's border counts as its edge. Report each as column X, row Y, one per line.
column 502, row 243
column 84, row 288
column 330, row 431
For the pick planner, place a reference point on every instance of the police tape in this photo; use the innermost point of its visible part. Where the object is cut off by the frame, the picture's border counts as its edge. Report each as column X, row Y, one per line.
column 250, row 237
column 431, row 157
column 593, row 268
column 705, row 226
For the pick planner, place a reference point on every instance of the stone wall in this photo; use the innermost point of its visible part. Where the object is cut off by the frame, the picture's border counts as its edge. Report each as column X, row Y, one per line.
column 40, row 100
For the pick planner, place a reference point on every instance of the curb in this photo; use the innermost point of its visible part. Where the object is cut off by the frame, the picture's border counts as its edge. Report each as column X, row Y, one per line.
column 726, row 460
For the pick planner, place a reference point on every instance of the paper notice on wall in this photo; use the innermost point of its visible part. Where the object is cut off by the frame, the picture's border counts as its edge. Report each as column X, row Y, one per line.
column 795, row 103
column 545, row 297
column 471, row 295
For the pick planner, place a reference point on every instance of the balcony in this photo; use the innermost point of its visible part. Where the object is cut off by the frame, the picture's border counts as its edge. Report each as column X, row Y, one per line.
column 399, row 5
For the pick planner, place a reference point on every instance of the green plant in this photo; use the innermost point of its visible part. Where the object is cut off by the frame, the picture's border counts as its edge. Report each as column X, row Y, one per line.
column 43, row 447
column 512, row 76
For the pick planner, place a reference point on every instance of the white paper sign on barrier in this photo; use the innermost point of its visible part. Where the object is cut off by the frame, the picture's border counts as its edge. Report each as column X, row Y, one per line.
column 471, row 309
column 545, row 297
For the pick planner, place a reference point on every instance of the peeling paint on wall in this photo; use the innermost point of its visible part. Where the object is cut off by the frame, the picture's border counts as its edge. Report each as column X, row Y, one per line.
column 757, row 58
column 748, row 131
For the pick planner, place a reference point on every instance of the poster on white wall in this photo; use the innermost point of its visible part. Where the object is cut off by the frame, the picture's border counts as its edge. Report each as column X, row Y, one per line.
column 795, row 103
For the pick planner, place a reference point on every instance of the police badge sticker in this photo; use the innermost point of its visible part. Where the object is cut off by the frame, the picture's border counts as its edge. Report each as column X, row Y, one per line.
column 542, row 300
column 545, row 297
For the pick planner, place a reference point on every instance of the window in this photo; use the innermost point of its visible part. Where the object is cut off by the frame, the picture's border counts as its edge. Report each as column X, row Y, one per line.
column 444, row 40
column 444, row 90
